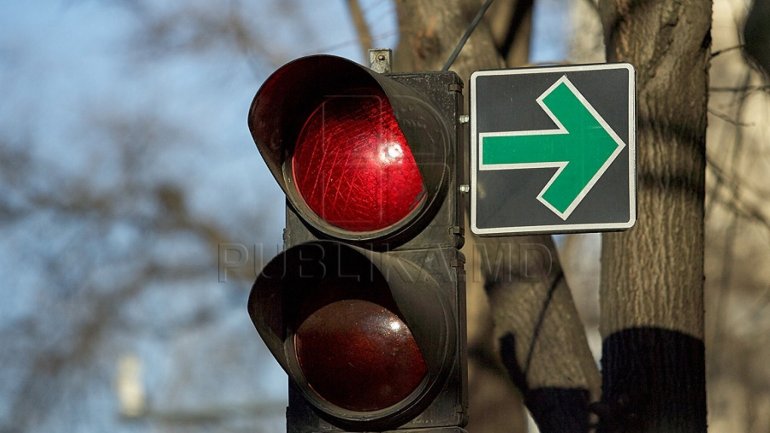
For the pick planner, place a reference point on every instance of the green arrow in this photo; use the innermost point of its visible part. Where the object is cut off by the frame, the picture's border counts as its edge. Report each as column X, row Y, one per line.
column 582, row 147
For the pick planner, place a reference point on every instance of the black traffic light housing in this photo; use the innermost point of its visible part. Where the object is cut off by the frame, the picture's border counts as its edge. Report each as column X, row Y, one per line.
column 365, row 312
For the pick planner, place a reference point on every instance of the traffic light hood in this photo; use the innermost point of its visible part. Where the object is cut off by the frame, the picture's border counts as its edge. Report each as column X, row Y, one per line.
column 308, row 277
column 293, row 94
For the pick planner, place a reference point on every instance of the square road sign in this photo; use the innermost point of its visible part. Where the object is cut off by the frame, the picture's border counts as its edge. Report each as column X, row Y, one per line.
column 553, row 149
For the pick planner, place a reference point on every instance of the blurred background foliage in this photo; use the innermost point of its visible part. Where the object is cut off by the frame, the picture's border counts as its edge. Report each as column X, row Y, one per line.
column 126, row 167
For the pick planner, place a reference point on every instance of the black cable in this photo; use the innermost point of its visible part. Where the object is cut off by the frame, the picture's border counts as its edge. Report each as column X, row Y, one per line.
column 467, row 34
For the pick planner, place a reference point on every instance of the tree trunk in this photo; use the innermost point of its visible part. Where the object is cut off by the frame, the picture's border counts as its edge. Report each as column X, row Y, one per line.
column 652, row 275
column 539, row 336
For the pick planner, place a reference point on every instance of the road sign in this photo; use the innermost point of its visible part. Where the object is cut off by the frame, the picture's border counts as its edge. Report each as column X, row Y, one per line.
column 553, row 149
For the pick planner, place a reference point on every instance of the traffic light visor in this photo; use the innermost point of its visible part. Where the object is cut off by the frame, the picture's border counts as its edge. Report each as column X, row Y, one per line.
column 360, row 156
column 364, row 336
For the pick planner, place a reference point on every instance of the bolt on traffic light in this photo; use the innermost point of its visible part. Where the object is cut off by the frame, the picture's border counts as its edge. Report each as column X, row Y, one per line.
column 365, row 308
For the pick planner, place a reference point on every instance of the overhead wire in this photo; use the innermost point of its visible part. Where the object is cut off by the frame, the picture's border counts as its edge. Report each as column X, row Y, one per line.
column 468, row 31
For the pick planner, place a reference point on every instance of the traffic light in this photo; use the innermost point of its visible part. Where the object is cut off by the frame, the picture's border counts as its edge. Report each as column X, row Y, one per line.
column 365, row 308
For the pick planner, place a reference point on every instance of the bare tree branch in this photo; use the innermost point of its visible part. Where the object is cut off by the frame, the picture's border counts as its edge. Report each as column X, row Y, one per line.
column 725, row 50
column 362, row 28
column 728, row 119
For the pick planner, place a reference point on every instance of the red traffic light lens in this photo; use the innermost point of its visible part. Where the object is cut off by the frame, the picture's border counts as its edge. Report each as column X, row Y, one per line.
column 353, row 166
column 359, row 355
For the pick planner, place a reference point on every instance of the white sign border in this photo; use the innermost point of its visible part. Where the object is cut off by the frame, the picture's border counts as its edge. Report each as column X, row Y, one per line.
column 557, row 228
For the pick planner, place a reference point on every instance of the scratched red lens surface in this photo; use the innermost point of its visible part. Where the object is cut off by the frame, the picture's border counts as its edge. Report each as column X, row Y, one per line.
column 359, row 355
column 353, row 166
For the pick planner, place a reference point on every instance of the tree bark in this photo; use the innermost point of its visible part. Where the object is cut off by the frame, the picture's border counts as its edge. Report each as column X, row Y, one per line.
column 652, row 275
column 511, row 25
column 539, row 338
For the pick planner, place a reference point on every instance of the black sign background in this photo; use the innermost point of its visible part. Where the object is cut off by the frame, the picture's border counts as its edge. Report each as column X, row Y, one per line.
column 505, row 201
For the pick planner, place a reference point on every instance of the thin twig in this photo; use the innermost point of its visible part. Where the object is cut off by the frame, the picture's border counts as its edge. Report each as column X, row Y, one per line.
column 744, row 210
column 728, row 119
column 725, row 50
column 362, row 28
column 733, row 182
column 740, row 99
column 735, row 202
column 740, row 89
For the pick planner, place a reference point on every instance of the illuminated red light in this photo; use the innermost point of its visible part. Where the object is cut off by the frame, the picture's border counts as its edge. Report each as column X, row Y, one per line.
column 353, row 166
column 359, row 356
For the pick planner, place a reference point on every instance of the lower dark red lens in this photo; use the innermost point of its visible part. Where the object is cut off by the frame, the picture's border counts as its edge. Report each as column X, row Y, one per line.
column 353, row 165
column 359, row 356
